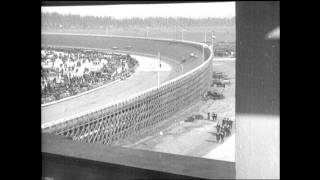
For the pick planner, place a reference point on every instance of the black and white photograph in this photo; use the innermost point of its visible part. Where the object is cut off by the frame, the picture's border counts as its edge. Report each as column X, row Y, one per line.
column 160, row 90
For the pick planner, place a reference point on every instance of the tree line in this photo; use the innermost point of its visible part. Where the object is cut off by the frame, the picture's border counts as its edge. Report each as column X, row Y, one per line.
column 55, row 20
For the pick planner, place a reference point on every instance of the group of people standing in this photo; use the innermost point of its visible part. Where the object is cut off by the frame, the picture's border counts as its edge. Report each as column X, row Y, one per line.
column 223, row 129
column 213, row 115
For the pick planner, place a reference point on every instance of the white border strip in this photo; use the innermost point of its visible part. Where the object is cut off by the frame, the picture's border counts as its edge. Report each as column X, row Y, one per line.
column 52, row 123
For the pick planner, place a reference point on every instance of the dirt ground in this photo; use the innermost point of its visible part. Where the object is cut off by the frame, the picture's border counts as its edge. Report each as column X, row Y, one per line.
column 196, row 138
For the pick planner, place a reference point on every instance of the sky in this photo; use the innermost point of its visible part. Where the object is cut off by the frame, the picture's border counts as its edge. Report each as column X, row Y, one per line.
column 194, row 10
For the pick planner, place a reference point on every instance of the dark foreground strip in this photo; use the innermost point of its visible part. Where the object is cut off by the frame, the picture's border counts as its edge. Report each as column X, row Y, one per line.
column 63, row 158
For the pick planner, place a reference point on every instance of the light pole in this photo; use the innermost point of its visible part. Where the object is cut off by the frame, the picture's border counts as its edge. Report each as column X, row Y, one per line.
column 182, row 33
column 158, row 68
column 203, row 51
column 213, row 37
column 205, row 37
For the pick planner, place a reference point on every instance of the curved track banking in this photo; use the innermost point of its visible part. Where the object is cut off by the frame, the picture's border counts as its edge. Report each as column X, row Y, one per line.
column 138, row 82
column 172, row 63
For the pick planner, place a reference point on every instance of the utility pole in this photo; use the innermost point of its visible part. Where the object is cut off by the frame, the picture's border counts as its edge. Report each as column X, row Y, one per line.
column 182, row 34
column 147, row 32
column 182, row 31
column 213, row 37
column 205, row 37
column 159, row 68
column 203, row 51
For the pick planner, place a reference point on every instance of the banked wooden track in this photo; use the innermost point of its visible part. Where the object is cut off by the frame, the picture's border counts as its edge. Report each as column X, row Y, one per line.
column 110, row 122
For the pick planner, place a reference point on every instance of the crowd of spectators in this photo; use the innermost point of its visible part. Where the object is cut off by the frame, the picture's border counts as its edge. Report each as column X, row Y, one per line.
column 68, row 71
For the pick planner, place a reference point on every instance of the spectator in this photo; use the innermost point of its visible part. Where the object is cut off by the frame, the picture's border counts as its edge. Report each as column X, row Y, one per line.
column 218, row 137
column 222, row 136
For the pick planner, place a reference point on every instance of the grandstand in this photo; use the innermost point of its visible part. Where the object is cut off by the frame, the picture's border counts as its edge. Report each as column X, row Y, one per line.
column 69, row 71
